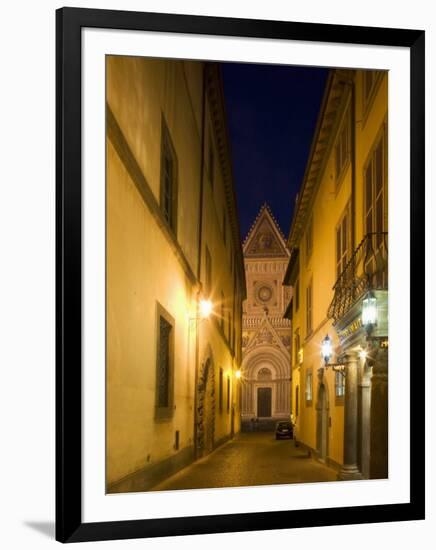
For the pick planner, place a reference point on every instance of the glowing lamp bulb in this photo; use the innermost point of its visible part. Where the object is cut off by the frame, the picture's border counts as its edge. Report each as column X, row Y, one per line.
column 369, row 311
column 205, row 307
column 238, row 374
column 326, row 349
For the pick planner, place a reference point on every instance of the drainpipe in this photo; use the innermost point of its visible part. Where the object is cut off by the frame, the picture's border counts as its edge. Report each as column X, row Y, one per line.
column 199, row 257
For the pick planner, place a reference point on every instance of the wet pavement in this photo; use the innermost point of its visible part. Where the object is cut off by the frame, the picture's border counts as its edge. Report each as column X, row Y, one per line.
column 250, row 459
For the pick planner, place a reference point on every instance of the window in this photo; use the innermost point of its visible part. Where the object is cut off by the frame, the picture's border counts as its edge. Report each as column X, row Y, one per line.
column 164, row 362
column 220, row 390
column 168, row 193
column 297, row 400
column 228, row 394
column 309, row 309
column 342, row 243
column 297, row 295
column 375, row 208
column 222, row 311
column 309, row 239
column 339, row 384
column 229, row 327
column 369, row 81
column 208, row 260
column 296, row 346
column 309, row 386
column 342, row 147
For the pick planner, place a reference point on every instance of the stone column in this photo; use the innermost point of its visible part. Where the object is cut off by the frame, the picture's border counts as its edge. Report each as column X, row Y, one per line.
column 365, row 388
column 378, row 463
column 350, row 469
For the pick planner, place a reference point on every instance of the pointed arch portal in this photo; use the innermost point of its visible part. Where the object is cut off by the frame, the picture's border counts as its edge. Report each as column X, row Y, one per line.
column 266, row 385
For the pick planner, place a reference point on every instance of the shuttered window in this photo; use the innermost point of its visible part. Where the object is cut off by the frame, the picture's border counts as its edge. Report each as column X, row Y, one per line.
column 220, row 389
column 339, row 384
column 375, row 179
column 309, row 386
column 309, row 306
column 164, row 363
column 342, row 147
column 342, row 242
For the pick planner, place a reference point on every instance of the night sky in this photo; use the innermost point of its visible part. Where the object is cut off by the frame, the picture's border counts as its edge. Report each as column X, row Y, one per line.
column 272, row 112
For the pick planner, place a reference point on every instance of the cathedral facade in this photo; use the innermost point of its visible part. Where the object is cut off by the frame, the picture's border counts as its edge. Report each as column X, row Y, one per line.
column 266, row 339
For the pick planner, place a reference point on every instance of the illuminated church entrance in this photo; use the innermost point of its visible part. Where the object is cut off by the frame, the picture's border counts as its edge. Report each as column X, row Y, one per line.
column 264, row 400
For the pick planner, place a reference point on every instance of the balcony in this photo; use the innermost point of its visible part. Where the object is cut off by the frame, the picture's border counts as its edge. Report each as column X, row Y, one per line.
column 367, row 269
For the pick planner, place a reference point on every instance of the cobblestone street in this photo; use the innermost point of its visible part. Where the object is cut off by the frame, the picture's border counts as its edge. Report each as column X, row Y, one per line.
column 250, row 459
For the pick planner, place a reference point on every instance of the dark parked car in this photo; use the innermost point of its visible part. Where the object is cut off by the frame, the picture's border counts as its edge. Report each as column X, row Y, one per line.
column 284, row 430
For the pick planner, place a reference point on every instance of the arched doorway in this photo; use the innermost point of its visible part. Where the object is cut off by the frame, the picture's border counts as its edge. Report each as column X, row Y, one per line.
column 206, row 409
column 265, row 367
column 322, row 423
column 264, row 393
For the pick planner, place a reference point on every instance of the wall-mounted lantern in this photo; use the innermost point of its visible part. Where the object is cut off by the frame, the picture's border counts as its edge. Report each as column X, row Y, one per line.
column 369, row 312
column 326, row 349
column 327, row 354
column 205, row 309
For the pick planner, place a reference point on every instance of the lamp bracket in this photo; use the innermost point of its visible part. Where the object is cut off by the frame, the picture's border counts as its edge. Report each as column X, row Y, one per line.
column 337, row 367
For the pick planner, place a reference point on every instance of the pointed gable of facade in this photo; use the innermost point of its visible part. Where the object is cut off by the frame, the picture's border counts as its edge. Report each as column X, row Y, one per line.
column 265, row 238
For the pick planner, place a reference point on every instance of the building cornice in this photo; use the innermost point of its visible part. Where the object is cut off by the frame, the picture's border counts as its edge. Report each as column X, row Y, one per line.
column 215, row 96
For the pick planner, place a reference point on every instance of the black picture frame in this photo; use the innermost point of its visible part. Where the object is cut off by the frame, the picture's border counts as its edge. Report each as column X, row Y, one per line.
column 69, row 525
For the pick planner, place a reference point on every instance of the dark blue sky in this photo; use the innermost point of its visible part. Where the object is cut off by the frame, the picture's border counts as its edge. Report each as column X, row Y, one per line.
column 272, row 112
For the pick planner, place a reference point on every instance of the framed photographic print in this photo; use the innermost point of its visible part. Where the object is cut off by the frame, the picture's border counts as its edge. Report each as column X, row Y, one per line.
column 240, row 275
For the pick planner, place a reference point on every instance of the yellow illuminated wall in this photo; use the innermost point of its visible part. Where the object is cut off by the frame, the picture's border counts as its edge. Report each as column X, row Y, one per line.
column 147, row 265
column 328, row 204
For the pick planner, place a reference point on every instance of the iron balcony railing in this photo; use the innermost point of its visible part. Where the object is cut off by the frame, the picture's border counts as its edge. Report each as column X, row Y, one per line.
column 367, row 269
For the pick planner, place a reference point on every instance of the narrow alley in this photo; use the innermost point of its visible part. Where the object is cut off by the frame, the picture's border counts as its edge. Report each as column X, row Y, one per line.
column 250, row 459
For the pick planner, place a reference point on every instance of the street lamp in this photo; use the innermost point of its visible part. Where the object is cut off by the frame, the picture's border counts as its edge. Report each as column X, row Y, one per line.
column 369, row 312
column 205, row 309
column 327, row 353
column 326, row 349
